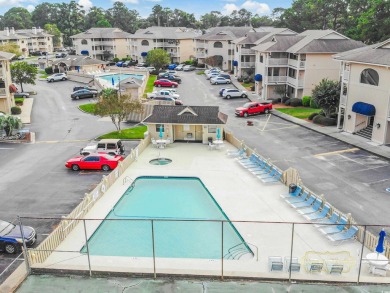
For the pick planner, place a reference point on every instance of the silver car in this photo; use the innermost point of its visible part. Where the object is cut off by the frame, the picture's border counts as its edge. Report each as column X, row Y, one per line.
column 57, row 77
column 219, row 80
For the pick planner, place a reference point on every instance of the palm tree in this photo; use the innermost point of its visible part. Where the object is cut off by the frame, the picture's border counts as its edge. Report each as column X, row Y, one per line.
column 9, row 123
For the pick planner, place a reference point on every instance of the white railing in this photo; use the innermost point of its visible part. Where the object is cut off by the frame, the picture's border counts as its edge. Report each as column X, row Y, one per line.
column 200, row 54
column 201, row 45
column 247, row 64
column 277, row 61
column 298, row 83
column 295, row 63
column 346, row 75
column 276, row 79
column 245, row 51
column 3, row 92
column 343, row 100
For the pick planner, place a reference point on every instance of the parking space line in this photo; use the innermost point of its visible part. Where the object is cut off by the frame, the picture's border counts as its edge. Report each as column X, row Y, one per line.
column 337, row 152
column 62, row 141
column 292, row 126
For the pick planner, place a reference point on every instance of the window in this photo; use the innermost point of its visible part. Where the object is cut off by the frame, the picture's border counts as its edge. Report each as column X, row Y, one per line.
column 159, row 126
column 261, row 58
column 84, row 42
column 217, row 45
column 212, row 129
column 345, row 90
column 111, row 146
column 369, row 76
column 145, row 43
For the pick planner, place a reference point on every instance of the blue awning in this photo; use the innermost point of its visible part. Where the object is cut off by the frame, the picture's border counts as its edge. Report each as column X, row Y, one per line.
column 364, row 109
column 258, row 77
column 84, row 52
column 235, row 63
column 143, row 54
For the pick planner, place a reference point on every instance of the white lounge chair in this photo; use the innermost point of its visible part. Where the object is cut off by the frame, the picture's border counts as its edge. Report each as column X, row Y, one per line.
column 275, row 263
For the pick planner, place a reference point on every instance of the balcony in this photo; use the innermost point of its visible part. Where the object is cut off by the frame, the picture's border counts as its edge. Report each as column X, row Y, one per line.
column 346, row 75
column 201, row 45
column 247, row 64
column 277, row 62
column 294, row 63
column 245, row 51
column 174, row 54
column 2, row 92
column 164, row 44
column 343, row 100
column 201, row 55
column 297, row 83
column 276, row 79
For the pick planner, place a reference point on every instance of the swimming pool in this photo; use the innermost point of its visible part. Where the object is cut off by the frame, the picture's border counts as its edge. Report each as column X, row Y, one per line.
column 121, row 76
column 175, row 203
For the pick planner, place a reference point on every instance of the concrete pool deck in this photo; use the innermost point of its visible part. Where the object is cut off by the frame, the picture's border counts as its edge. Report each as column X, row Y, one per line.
column 241, row 196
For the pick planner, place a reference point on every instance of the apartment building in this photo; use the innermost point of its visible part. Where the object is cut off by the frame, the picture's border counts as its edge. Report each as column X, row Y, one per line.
column 298, row 62
column 6, row 97
column 28, row 40
column 365, row 101
column 245, row 56
column 218, row 43
column 177, row 41
column 102, row 43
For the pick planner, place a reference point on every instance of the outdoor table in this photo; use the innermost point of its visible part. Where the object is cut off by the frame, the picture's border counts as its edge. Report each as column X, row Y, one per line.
column 218, row 143
column 161, row 143
column 377, row 260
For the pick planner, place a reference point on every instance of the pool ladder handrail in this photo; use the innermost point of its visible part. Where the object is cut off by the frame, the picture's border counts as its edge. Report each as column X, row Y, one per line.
column 234, row 248
column 128, row 179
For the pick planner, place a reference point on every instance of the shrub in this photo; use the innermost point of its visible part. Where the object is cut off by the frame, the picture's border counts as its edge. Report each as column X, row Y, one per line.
column 253, row 88
column 294, row 102
column 287, row 102
column 312, row 115
column 276, row 101
column 333, row 115
column 19, row 101
column 115, row 60
column 284, row 99
column 202, row 65
column 49, row 70
column 313, row 104
column 306, row 101
column 319, row 119
column 16, row 110
column 239, row 79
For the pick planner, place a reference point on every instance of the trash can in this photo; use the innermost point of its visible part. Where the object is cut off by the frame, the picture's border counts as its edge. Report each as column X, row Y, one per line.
column 292, row 187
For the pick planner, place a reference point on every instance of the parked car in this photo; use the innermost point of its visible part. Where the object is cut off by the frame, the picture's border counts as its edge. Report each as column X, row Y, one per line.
column 211, row 75
column 57, row 77
column 84, row 93
column 219, row 80
column 163, row 93
column 172, row 66
column 21, row 95
column 165, row 83
column 42, row 58
column 103, row 162
column 234, row 93
column 221, row 90
column 36, row 53
column 151, row 68
column 21, row 57
column 170, row 77
column 179, row 67
column 213, row 69
column 126, row 64
column 177, row 102
column 61, row 55
column 224, row 75
column 189, row 68
column 169, row 71
column 76, row 88
column 11, row 238
column 120, row 63
column 109, row 146
column 253, row 108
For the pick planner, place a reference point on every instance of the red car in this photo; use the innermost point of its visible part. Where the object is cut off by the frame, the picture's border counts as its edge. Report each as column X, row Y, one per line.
column 103, row 162
column 165, row 83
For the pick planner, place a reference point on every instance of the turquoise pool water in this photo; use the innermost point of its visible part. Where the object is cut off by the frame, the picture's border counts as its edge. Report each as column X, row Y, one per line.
column 174, row 203
column 121, row 77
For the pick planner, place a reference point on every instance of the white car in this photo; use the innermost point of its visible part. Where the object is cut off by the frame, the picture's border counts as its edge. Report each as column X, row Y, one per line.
column 211, row 75
column 214, row 69
column 171, row 72
column 189, row 68
column 234, row 93
column 219, row 80
column 151, row 68
column 57, row 77
column 179, row 67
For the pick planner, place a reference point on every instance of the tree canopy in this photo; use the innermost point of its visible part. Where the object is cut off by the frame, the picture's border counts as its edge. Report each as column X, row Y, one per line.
column 158, row 58
column 116, row 106
column 10, row 48
column 23, row 73
column 327, row 96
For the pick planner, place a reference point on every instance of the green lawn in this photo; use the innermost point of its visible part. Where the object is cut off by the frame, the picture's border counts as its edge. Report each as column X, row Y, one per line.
column 200, row 72
column 298, row 112
column 43, row 74
column 150, row 83
column 249, row 84
column 128, row 133
column 89, row 108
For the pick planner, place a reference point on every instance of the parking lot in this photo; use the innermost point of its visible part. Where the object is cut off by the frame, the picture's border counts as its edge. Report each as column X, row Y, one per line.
column 34, row 181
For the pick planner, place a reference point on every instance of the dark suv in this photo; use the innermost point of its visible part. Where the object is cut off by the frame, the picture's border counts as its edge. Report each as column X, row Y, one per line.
column 171, row 77
column 84, row 93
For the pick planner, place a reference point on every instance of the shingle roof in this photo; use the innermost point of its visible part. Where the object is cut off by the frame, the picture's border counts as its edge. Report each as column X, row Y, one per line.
column 261, row 36
column 6, row 55
column 73, row 60
column 330, row 46
column 281, row 43
column 226, row 33
column 103, row 33
column 170, row 114
column 30, row 33
column 378, row 54
column 160, row 32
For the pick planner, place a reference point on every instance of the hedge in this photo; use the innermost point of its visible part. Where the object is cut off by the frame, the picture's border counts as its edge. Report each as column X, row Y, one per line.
column 313, row 104
column 322, row 120
column 294, row 102
column 312, row 115
column 306, row 101
column 16, row 110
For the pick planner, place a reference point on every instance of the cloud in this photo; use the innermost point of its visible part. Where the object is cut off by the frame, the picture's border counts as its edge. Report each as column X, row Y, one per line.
column 251, row 6
column 30, row 8
column 228, row 0
column 127, row 1
column 87, row 4
column 256, row 7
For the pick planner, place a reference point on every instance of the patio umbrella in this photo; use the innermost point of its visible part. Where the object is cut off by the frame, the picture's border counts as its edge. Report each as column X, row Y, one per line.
column 112, row 81
column 380, row 247
column 218, row 133
column 161, row 132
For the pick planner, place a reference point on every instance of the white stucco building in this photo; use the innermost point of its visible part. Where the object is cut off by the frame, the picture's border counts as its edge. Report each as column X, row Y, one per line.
column 6, row 97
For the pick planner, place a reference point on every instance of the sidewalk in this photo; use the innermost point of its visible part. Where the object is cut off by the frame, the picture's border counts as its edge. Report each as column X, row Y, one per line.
column 332, row 131
column 25, row 116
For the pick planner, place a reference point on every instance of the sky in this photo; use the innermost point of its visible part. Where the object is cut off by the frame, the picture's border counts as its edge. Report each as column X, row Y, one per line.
column 144, row 7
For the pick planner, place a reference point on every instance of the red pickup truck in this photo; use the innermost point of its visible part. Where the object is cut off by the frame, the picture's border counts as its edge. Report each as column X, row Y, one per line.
column 253, row 108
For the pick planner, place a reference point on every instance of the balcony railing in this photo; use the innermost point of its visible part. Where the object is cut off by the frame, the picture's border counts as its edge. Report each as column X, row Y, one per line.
column 346, row 75
column 173, row 54
column 165, row 44
column 343, row 100
column 201, row 45
column 246, row 51
column 200, row 55
column 3, row 92
column 298, row 83
column 247, row 64
column 295, row 63
column 277, row 61
column 276, row 79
